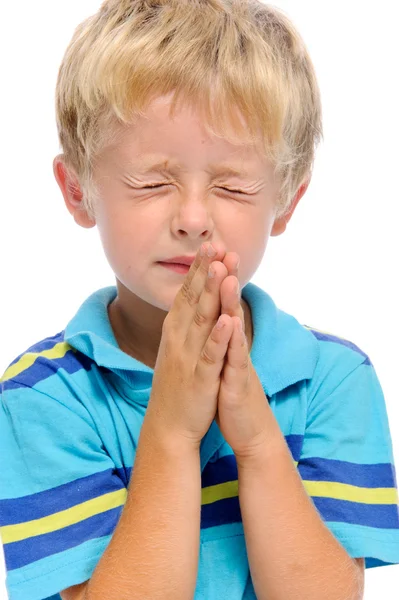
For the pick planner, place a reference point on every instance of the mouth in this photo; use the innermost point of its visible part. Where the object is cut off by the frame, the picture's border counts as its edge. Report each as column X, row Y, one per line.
column 176, row 267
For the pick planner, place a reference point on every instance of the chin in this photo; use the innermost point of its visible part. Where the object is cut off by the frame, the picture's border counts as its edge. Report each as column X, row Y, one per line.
column 149, row 292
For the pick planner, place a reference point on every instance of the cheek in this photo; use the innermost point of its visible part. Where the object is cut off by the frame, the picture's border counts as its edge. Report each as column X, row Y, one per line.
column 127, row 244
column 117, row 239
column 250, row 236
column 251, row 247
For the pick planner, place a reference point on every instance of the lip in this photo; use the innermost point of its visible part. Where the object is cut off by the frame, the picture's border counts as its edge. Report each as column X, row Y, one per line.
column 176, row 267
column 181, row 260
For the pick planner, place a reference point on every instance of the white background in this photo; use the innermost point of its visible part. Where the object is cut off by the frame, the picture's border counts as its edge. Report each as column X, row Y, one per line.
column 336, row 266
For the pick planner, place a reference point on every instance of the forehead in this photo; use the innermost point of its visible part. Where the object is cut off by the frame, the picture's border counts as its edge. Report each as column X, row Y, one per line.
column 180, row 153
column 157, row 141
column 151, row 163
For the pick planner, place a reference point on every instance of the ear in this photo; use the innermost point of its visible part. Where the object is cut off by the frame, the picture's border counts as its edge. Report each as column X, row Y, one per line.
column 280, row 224
column 71, row 191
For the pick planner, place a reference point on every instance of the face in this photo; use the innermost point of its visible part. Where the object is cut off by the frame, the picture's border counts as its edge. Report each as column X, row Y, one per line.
column 194, row 201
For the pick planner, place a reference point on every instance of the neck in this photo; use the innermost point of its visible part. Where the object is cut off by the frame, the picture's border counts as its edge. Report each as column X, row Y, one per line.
column 141, row 337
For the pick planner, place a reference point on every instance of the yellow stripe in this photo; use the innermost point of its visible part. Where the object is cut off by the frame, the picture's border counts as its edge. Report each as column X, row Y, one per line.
column 212, row 493
column 229, row 489
column 353, row 493
column 27, row 360
column 80, row 512
column 326, row 489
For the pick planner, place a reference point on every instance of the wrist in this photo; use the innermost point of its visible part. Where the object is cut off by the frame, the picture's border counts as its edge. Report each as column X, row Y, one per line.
column 154, row 433
column 261, row 455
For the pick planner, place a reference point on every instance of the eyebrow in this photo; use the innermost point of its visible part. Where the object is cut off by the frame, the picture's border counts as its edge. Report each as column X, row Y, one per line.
column 162, row 166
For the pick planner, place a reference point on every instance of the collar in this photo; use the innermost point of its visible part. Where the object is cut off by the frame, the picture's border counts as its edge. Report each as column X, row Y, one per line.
column 283, row 351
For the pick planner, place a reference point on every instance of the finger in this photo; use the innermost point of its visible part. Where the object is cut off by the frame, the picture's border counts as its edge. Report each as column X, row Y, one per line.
column 217, row 418
column 231, row 262
column 212, row 356
column 236, row 367
column 230, row 299
column 208, row 311
column 185, row 303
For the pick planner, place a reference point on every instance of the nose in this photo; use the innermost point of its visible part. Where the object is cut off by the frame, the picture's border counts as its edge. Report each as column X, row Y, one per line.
column 193, row 218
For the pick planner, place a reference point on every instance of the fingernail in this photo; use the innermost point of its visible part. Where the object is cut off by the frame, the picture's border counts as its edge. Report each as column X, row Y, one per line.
column 211, row 272
column 211, row 251
column 219, row 324
column 238, row 288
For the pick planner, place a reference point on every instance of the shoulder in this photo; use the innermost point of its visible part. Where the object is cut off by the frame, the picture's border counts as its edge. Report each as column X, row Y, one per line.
column 44, row 365
column 45, row 398
column 333, row 344
column 338, row 357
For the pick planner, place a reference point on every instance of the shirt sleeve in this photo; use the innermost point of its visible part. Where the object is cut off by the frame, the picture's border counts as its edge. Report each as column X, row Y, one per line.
column 60, row 493
column 347, row 467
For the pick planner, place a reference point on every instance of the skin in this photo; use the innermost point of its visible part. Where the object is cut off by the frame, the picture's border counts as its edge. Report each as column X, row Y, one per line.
column 140, row 227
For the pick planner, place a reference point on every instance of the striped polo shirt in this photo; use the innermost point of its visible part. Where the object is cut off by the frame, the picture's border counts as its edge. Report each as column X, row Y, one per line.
column 71, row 411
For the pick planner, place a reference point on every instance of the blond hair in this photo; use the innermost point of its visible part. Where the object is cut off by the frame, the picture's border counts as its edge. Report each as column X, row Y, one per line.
column 213, row 54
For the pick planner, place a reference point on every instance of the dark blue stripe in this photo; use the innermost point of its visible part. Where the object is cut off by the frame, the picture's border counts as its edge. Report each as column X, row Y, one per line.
column 42, row 504
column 325, row 337
column 44, row 367
column 375, row 562
column 362, row 475
column 124, row 474
column 385, row 516
column 220, row 471
column 295, row 443
column 225, row 468
column 221, row 512
column 20, row 554
column 45, row 344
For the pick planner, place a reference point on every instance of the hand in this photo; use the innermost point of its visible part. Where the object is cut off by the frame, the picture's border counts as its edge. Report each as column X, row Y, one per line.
column 230, row 306
column 243, row 414
column 190, row 358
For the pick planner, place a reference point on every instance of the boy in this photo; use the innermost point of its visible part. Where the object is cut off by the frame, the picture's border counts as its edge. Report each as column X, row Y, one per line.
column 151, row 454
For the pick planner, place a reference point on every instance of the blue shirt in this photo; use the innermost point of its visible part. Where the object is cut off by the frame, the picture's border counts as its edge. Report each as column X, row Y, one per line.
column 71, row 411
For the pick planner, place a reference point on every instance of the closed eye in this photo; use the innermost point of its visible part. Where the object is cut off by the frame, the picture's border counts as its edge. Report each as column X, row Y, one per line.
column 151, row 187
column 233, row 191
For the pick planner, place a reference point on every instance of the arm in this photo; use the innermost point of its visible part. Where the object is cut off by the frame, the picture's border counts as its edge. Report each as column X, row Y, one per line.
column 154, row 550
column 292, row 554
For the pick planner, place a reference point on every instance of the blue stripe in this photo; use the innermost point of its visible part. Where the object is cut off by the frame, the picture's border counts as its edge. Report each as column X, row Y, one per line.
column 221, row 512
column 44, row 367
column 124, row 474
column 42, row 504
column 325, row 337
column 220, row 471
column 225, row 468
column 295, row 443
column 45, row 344
column 384, row 516
column 363, row 475
column 20, row 554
